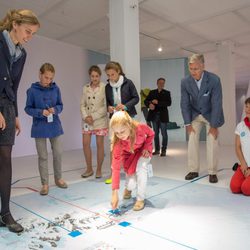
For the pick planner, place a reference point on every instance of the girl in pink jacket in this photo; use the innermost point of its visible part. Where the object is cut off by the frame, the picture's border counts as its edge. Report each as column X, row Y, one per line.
column 131, row 145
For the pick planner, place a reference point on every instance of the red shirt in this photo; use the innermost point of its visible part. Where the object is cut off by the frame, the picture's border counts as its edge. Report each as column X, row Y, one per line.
column 123, row 156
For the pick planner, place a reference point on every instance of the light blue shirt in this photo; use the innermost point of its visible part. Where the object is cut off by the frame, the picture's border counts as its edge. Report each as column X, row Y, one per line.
column 199, row 81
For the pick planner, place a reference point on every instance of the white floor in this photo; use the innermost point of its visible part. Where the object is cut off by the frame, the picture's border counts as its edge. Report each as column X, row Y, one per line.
column 171, row 167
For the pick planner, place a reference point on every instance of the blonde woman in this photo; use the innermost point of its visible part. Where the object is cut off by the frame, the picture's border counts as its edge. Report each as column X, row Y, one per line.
column 94, row 120
column 16, row 29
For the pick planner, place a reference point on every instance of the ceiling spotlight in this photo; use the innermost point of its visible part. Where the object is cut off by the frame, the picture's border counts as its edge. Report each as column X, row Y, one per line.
column 160, row 48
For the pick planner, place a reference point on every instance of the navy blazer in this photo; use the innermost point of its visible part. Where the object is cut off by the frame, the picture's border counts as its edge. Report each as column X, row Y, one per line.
column 207, row 101
column 129, row 96
column 10, row 76
column 164, row 100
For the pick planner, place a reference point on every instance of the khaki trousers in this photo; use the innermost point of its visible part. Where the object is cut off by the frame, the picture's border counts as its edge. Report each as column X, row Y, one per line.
column 41, row 146
column 193, row 147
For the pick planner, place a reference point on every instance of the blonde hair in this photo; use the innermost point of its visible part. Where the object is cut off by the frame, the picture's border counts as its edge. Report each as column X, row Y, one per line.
column 47, row 67
column 196, row 58
column 21, row 16
column 122, row 118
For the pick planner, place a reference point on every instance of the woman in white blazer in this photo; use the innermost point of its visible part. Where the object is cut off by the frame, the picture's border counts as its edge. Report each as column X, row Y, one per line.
column 94, row 120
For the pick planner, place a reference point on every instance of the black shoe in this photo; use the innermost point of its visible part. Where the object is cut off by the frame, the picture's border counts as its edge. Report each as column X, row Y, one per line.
column 163, row 153
column 191, row 175
column 13, row 227
column 156, row 152
column 213, row 178
column 235, row 166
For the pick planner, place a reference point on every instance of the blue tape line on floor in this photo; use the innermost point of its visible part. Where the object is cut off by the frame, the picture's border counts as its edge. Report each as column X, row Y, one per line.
column 38, row 215
column 38, row 176
column 187, row 183
column 171, row 189
column 164, row 238
column 15, row 182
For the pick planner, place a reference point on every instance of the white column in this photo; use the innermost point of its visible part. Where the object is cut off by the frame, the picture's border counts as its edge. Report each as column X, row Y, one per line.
column 248, row 90
column 124, row 39
column 226, row 72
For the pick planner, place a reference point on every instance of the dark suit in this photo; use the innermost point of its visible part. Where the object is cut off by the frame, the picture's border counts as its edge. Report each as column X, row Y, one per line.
column 10, row 76
column 164, row 100
column 159, row 116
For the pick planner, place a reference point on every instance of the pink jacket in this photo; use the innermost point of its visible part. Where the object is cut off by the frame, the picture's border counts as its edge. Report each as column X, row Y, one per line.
column 123, row 156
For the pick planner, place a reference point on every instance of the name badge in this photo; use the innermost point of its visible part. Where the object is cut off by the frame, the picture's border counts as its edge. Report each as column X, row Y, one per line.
column 150, row 170
column 50, row 118
column 85, row 127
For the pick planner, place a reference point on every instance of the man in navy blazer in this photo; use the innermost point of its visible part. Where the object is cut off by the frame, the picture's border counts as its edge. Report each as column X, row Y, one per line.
column 201, row 105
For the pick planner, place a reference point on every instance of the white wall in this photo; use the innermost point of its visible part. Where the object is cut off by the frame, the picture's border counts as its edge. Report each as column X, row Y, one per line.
column 241, row 95
column 70, row 63
column 241, row 92
column 173, row 70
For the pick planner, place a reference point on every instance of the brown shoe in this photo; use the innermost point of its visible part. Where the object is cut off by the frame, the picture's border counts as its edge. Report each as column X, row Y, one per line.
column 191, row 175
column 44, row 190
column 213, row 178
column 127, row 194
column 61, row 183
column 139, row 205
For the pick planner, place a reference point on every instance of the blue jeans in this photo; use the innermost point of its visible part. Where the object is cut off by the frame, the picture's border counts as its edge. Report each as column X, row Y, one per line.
column 145, row 114
column 157, row 125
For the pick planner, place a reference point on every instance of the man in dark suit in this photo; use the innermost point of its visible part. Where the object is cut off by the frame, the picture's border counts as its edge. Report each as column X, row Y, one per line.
column 158, row 101
column 201, row 105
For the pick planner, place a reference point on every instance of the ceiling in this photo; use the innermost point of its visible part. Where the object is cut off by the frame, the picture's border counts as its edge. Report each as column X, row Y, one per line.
column 181, row 26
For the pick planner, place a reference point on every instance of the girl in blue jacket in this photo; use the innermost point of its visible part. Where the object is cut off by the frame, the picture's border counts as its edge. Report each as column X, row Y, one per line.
column 44, row 104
